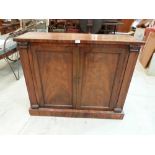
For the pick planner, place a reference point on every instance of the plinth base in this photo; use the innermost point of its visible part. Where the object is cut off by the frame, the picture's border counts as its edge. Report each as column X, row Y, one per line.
column 76, row 113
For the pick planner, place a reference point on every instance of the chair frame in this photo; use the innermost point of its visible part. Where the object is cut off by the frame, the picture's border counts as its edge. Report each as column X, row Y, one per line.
column 6, row 57
column 8, row 53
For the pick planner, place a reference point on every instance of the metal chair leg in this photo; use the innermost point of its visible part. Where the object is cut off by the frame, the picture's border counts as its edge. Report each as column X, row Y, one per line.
column 16, row 76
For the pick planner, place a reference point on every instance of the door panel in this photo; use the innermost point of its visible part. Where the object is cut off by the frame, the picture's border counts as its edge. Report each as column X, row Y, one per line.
column 53, row 68
column 78, row 77
column 100, row 72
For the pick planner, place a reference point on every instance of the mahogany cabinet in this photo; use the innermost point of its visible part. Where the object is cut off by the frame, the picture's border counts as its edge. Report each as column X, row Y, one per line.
column 77, row 75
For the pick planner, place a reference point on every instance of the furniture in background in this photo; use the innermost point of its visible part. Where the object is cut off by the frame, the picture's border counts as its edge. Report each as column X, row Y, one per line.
column 8, row 51
column 148, row 30
column 94, row 26
column 77, row 75
column 8, row 47
column 147, row 54
column 9, row 26
column 72, row 26
column 0, row 23
column 151, row 67
column 41, row 27
column 148, row 50
column 126, row 26
column 63, row 25
column 144, row 23
column 110, row 26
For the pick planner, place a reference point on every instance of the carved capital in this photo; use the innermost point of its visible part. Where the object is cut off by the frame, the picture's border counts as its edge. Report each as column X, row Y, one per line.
column 23, row 44
column 117, row 110
column 34, row 106
column 134, row 48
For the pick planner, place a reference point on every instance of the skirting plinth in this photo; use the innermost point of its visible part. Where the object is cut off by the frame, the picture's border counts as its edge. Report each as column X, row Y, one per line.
column 76, row 113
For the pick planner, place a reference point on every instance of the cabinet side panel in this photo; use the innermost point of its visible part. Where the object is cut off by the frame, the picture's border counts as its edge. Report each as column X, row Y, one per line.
column 127, row 79
column 28, row 75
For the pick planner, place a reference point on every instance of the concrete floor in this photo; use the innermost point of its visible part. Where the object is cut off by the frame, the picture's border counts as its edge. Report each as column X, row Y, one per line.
column 14, row 104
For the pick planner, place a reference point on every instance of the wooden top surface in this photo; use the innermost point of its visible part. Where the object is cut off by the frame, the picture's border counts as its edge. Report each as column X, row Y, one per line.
column 71, row 37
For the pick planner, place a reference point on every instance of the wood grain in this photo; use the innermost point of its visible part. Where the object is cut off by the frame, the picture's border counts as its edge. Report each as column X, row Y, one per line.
column 127, row 79
column 98, row 71
column 88, row 79
column 53, row 69
column 76, row 113
column 71, row 37
column 24, row 57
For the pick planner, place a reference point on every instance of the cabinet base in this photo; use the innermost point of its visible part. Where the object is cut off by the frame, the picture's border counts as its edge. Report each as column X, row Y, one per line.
column 76, row 113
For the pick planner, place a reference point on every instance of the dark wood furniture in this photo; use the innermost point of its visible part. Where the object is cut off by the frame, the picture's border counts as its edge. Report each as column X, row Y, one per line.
column 9, row 27
column 77, row 75
column 64, row 25
column 95, row 26
column 110, row 26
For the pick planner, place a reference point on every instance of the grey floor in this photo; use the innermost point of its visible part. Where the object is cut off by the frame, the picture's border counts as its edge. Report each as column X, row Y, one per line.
column 14, row 104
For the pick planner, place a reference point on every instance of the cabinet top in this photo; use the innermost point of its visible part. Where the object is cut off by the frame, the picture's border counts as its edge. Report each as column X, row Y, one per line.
column 76, row 38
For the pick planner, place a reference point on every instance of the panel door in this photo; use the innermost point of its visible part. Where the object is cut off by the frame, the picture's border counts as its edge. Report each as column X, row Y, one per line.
column 100, row 76
column 53, row 68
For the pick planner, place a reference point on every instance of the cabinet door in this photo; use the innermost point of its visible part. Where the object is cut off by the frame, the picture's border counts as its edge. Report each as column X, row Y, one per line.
column 100, row 76
column 53, row 68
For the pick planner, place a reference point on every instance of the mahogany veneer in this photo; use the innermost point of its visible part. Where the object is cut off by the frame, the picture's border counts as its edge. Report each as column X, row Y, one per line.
column 77, row 75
